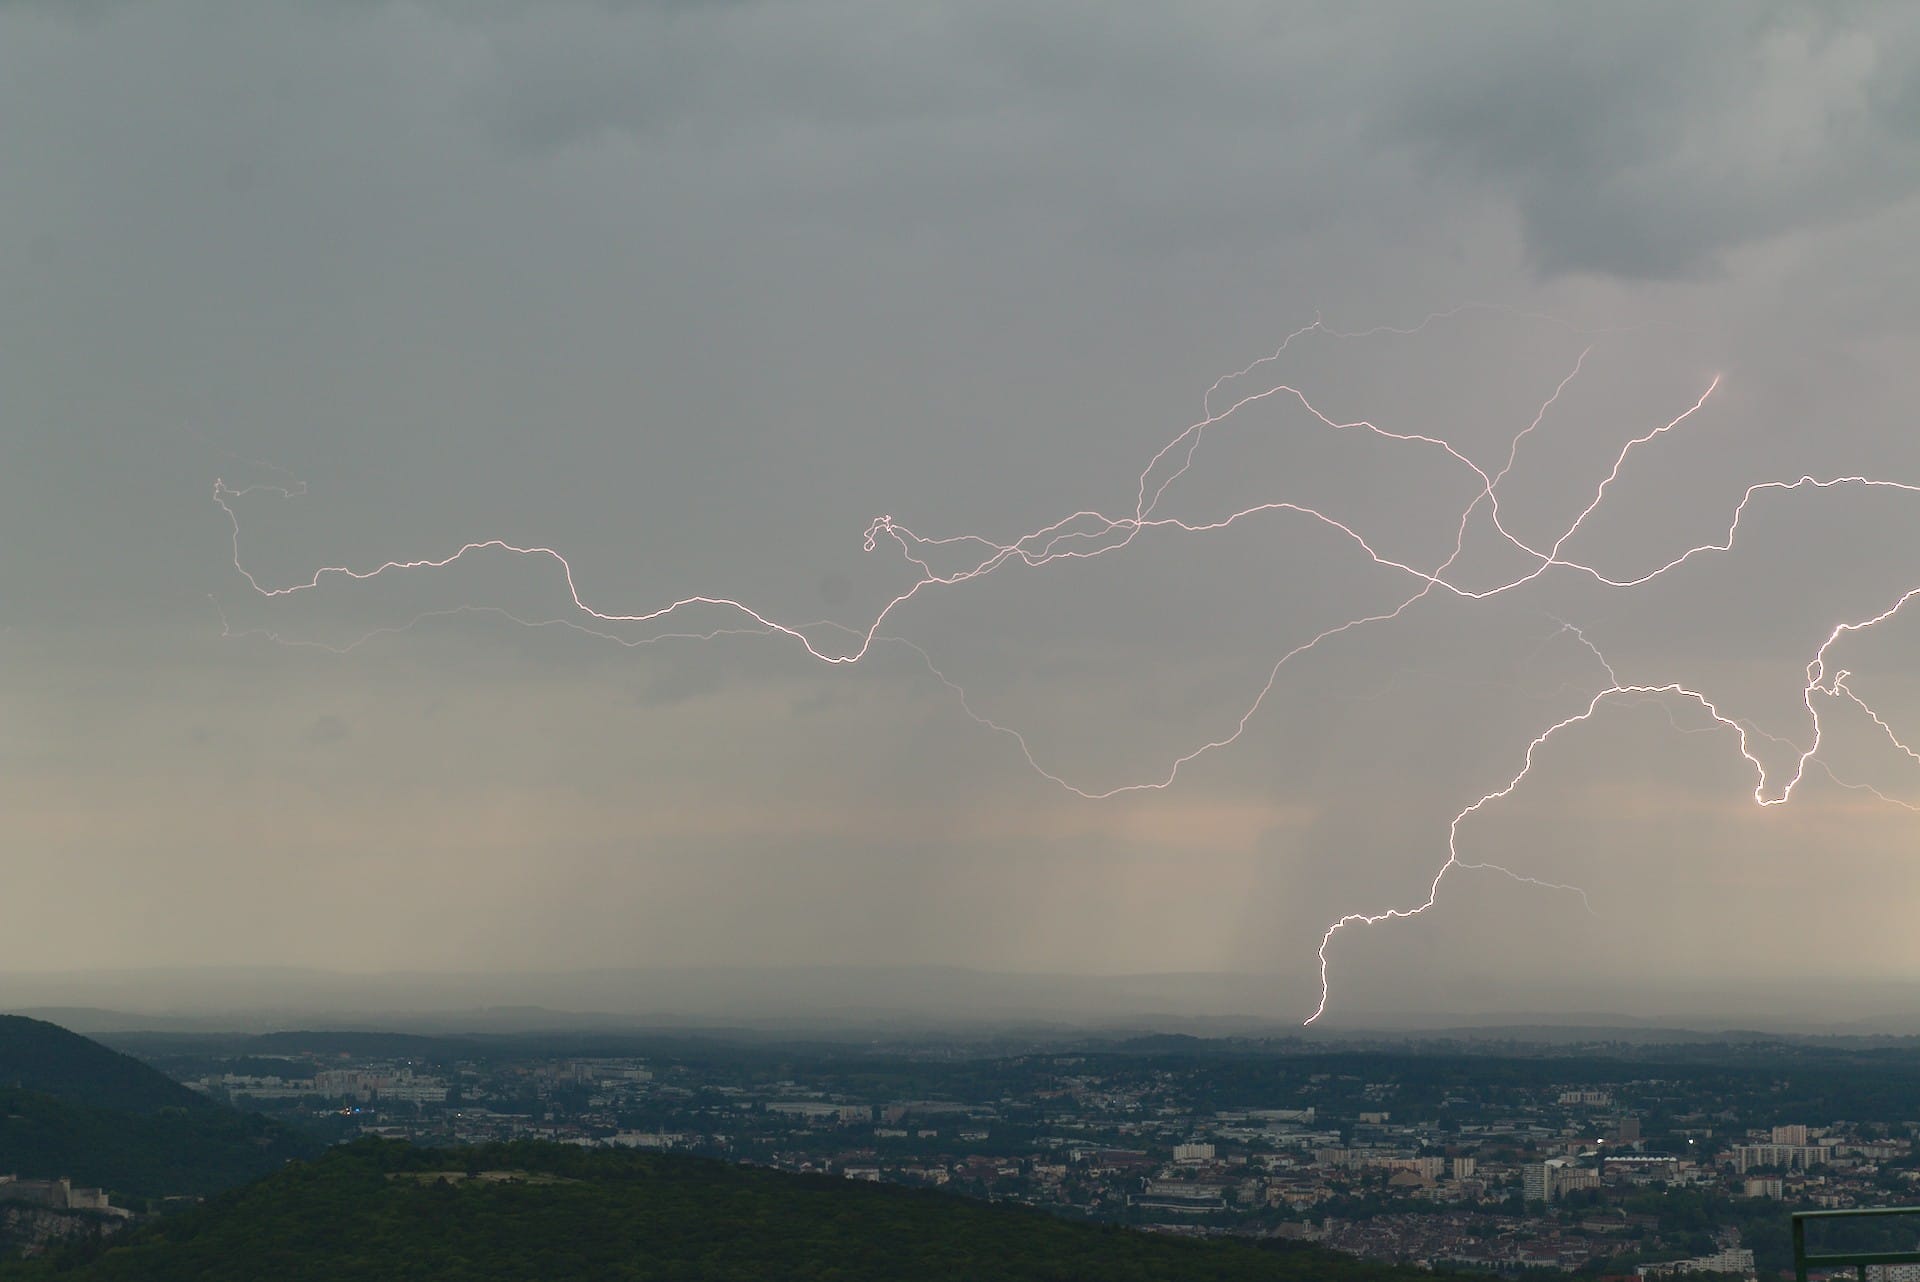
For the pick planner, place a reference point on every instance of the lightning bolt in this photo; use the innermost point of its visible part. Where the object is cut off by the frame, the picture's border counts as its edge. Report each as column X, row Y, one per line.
column 1088, row 533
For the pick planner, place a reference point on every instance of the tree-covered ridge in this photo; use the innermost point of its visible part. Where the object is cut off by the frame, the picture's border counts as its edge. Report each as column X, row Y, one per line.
column 47, row 1059
column 71, row 1107
column 377, row 1210
column 133, row 1155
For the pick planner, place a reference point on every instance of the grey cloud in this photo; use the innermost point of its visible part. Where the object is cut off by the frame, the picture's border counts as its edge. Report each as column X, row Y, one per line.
column 1642, row 142
column 681, row 681
column 1633, row 141
column 577, row 73
column 827, row 698
column 327, row 729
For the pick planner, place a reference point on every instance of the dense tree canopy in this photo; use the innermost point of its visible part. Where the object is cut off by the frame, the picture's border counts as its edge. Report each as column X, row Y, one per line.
column 377, row 1210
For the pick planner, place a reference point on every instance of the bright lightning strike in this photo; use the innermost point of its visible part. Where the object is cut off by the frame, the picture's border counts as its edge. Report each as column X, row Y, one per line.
column 1088, row 533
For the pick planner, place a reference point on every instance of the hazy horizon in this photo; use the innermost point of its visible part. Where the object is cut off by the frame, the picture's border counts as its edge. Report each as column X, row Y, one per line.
column 935, row 1001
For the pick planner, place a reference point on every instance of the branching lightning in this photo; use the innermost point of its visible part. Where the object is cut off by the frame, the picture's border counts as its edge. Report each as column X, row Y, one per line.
column 1087, row 533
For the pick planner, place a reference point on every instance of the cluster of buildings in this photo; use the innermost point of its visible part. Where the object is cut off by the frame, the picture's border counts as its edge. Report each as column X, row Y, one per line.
column 37, row 1214
column 1528, row 1177
column 395, row 1085
column 57, row 1195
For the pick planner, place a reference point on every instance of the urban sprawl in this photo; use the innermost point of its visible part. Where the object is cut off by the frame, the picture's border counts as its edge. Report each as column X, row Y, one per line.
column 1461, row 1162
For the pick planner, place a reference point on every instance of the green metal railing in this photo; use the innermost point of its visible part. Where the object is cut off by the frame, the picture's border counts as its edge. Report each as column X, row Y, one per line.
column 1858, row 1259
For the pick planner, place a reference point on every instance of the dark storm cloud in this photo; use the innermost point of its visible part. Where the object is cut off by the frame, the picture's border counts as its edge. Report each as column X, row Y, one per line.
column 1635, row 141
column 1640, row 141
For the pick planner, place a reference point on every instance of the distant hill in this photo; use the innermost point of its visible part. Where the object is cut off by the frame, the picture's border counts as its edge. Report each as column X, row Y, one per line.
column 377, row 1210
column 856, row 1002
column 71, row 1107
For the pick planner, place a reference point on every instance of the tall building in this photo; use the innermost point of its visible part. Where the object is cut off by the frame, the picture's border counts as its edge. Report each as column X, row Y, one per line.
column 1795, row 1135
column 1553, row 1179
column 1568, row 1178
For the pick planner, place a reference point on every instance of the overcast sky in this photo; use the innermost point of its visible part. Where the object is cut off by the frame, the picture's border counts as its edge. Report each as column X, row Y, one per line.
column 694, row 291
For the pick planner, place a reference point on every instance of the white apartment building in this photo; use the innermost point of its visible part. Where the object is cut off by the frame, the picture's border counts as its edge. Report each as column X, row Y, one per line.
column 1794, row 1157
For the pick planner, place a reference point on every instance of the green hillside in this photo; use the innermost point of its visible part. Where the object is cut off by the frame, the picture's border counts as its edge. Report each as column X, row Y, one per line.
column 378, row 1211
column 48, row 1060
column 71, row 1107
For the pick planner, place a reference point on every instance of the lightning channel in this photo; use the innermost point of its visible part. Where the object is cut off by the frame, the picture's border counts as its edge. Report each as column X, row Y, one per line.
column 1088, row 533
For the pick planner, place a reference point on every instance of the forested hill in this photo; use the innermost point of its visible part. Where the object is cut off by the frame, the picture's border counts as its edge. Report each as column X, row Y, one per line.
column 71, row 1107
column 378, row 1210
column 48, row 1060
